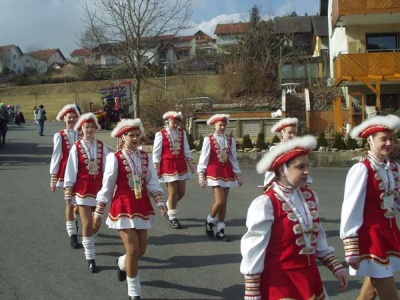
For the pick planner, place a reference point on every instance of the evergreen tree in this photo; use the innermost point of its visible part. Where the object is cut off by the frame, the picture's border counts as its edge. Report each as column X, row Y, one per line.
column 338, row 142
column 247, row 143
column 321, row 140
column 261, row 141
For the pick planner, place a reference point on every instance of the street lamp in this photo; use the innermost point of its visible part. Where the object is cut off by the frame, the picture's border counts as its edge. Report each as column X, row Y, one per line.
column 165, row 80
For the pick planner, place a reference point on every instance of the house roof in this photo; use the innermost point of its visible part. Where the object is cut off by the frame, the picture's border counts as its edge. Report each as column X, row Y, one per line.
column 183, row 39
column 293, row 24
column 232, row 28
column 44, row 55
column 81, row 52
column 320, row 25
column 4, row 49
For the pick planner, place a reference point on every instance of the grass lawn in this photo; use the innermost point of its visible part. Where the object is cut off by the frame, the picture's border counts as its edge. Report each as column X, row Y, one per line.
column 55, row 96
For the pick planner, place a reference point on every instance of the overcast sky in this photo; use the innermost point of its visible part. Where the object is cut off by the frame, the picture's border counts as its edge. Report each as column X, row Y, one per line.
column 47, row 24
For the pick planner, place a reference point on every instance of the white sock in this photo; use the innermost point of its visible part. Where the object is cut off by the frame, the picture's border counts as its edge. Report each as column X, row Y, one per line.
column 88, row 244
column 173, row 214
column 71, row 227
column 211, row 219
column 134, row 288
column 220, row 225
column 121, row 262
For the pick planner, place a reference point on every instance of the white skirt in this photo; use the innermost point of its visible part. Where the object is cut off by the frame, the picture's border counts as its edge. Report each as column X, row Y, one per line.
column 222, row 183
column 375, row 270
column 166, row 179
column 128, row 223
column 89, row 201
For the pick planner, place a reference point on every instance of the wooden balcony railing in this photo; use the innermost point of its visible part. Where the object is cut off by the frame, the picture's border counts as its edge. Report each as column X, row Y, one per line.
column 361, row 7
column 359, row 67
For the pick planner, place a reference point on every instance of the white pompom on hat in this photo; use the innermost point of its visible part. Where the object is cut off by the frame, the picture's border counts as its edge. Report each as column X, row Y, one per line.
column 374, row 125
column 86, row 118
column 218, row 117
column 69, row 108
column 126, row 125
column 284, row 123
column 286, row 151
column 173, row 115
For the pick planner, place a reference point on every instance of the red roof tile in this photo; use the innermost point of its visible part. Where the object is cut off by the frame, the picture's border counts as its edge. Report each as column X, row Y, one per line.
column 232, row 28
column 81, row 52
column 44, row 55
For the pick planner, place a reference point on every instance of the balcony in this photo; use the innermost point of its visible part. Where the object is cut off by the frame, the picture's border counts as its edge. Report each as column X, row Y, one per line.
column 350, row 12
column 361, row 67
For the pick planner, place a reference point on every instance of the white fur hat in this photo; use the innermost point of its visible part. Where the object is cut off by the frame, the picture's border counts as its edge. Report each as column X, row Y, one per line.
column 218, row 117
column 284, row 123
column 375, row 124
column 172, row 115
column 126, row 125
column 286, row 151
column 69, row 108
column 86, row 118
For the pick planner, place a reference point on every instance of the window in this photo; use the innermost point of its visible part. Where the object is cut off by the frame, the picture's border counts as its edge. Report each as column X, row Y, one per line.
column 389, row 102
column 382, row 42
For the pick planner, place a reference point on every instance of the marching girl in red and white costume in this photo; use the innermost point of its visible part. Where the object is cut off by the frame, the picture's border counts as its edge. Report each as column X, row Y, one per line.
column 287, row 128
column 83, row 177
column 284, row 236
column 218, row 167
column 173, row 162
column 129, row 182
column 368, row 226
column 63, row 142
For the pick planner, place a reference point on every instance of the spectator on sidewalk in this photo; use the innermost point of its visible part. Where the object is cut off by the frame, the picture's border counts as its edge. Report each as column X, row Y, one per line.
column 41, row 118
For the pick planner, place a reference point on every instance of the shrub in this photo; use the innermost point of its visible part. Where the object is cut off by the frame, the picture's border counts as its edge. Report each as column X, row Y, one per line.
column 321, row 140
column 247, row 143
column 190, row 140
column 351, row 143
column 261, row 141
column 338, row 142
column 275, row 140
column 200, row 145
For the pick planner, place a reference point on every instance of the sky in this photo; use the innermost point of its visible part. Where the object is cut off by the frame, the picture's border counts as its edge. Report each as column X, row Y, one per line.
column 49, row 24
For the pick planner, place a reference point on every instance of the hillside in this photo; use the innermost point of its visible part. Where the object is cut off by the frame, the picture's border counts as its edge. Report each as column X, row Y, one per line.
column 54, row 96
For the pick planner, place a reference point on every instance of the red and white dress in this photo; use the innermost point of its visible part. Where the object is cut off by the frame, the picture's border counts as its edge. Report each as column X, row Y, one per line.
column 283, row 240
column 172, row 152
column 218, row 161
column 63, row 142
column 368, row 221
column 127, row 210
column 84, row 171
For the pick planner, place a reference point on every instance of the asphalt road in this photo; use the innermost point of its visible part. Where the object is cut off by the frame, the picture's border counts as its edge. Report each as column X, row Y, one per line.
column 36, row 261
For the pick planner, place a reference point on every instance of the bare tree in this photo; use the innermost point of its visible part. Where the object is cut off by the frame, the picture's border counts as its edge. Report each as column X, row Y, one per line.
column 130, row 29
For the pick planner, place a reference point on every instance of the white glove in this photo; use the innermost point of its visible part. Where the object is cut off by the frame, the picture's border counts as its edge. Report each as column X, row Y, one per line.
column 202, row 180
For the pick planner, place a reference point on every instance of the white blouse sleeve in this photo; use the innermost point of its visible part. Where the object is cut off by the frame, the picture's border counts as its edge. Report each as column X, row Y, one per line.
column 186, row 147
column 152, row 180
column 260, row 218
column 354, row 199
column 233, row 158
column 71, row 170
column 57, row 154
column 157, row 147
column 204, row 156
column 109, row 179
